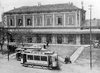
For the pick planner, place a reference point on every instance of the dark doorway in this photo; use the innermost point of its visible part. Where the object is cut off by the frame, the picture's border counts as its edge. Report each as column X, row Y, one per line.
column 59, row 39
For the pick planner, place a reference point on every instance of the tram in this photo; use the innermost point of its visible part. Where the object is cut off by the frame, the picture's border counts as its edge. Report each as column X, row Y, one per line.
column 43, row 58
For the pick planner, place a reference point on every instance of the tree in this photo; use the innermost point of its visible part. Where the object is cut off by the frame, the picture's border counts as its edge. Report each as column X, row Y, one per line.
column 20, row 38
column 2, row 37
column 19, row 35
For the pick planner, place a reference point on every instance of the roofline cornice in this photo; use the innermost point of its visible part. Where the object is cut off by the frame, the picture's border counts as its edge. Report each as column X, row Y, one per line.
column 49, row 11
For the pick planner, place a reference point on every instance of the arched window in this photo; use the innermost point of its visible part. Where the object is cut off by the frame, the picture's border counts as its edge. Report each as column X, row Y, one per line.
column 29, row 22
column 11, row 22
column 20, row 22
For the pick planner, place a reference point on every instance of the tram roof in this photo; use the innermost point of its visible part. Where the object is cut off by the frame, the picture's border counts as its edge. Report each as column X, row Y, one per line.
column 41, row 52
column 34, row 47
column 19, row 49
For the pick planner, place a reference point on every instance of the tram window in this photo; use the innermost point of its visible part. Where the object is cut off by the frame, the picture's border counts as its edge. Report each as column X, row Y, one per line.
column 36, row 57
column 43, row 58
column 30, row 57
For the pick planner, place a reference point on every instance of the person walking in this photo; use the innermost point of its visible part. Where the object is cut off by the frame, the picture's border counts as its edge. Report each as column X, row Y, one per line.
column 47, row 44
column 67, row 60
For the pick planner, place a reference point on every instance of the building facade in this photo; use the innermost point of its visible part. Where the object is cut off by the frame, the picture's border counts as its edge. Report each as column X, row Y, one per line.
column 56, row 24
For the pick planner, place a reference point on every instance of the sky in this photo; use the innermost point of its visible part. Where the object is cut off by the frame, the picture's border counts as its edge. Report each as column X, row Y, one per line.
column 6, row 5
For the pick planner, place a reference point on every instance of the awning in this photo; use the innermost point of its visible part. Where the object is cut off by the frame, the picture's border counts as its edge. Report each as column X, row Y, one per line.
column 57, row 31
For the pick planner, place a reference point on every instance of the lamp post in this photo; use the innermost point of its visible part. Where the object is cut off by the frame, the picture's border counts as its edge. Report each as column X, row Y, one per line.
column 90, row 7
column 8, row 42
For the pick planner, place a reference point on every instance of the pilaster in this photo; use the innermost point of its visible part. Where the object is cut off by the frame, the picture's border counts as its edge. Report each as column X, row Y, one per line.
column 53, row 19
column 23, row 20
column 64, row 19
column 43, row 20
column 33, row 20
column 15, row 20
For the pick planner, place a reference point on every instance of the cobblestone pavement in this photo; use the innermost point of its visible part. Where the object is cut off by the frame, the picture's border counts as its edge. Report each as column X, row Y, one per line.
column 13, row 66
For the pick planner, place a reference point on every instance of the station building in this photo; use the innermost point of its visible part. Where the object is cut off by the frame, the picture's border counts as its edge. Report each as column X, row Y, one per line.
column 53, row 23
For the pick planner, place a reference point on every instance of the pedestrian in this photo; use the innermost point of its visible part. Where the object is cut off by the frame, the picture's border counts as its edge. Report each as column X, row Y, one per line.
column 44, row 46
column 67, row 60
column 47, row 44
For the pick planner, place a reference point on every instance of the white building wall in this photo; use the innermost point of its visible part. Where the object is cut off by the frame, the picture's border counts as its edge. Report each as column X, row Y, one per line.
column 78, row 39
column 43, row 39
column 65, row 39
column 23, row 20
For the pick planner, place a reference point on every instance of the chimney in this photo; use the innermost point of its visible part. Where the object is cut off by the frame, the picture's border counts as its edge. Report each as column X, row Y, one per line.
column 82, row 5
column 71, row 3
column 14, row 8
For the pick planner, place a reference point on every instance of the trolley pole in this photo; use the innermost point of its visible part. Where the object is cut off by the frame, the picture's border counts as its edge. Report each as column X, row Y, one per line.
column 90, row 7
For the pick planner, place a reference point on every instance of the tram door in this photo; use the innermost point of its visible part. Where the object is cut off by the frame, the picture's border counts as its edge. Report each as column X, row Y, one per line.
column 49, row 61
column 24, row 58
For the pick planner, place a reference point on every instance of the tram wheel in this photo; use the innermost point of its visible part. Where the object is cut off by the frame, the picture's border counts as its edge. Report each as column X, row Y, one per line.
column 49, row 67
column 25, row 65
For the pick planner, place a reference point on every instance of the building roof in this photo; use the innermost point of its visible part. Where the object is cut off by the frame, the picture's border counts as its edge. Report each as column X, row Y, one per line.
column 44, row 8
column 94, row 23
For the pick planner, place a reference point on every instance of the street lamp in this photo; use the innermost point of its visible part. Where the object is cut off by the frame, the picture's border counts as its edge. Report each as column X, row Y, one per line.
column 8, row 42
column 90, row 7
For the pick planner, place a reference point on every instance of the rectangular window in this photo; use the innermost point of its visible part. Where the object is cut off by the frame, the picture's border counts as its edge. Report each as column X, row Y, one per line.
column 66, row 20
column 39, row 21
column 11, row 22
column 70, row 19
column 48, row 21
column 59, row 20
column 29, row 22
column 20, row 22
column 36, row 57
column 43, row 58
column 30, row 57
